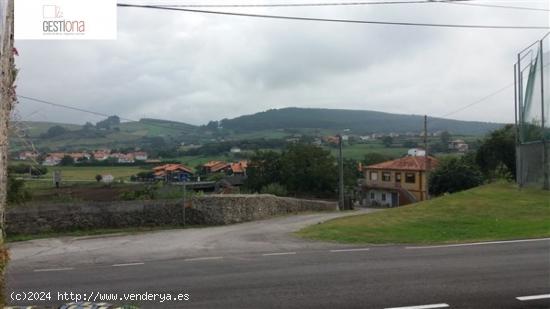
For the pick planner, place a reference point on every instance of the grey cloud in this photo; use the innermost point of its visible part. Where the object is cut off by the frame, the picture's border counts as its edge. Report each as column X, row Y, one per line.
column 195, row 68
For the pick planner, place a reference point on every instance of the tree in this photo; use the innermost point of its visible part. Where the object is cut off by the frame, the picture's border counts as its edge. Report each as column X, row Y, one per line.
column 308, row 169
column 98, row 177
column 445, row 138
column 454, row 175
column 274, row 189
column 410, row 144
column 88, row 126
column 54, row 131
column 351, row 173
column 17, row 193
column 498, row 152
column 375, row 158
column 263, row 169
column 107, row 124
column 66, row 160
column 387, row 141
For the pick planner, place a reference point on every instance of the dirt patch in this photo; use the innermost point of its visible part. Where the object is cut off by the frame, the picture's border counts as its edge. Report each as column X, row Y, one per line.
column 97, row 193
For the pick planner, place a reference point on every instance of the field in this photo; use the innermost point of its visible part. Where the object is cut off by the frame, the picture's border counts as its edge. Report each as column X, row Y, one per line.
column 358, row 151
column 492, row 212
column 88, row 173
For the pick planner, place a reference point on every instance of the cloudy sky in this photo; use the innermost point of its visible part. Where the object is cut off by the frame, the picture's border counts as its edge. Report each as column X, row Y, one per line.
column 194, row 68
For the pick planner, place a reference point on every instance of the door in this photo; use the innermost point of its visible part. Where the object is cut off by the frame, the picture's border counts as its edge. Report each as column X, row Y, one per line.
column 394, row 199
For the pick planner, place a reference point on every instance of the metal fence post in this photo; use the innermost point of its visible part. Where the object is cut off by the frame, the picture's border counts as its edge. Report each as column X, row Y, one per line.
column 546, row 182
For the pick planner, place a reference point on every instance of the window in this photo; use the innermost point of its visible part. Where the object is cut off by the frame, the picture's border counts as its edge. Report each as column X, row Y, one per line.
column 383, row 197
column 372, row 196
column 397, row 177
column 386, row 176
column 373, row 175
column 410, row 178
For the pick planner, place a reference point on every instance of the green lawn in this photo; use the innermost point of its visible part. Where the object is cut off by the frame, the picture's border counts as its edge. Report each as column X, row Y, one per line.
column 88, row 173
column 492, row 212
column 358, row 151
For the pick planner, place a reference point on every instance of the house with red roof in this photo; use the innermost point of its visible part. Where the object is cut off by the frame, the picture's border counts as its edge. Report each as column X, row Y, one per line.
column 397, row 182
column 216, row 167
column 239, row 168
column 173, row 172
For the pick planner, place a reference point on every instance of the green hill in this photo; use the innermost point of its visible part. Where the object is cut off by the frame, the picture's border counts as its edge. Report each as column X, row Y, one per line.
column 358, row 121
column 76, row 137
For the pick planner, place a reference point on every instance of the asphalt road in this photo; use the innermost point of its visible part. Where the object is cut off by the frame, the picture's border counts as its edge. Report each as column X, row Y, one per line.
column 258, row 265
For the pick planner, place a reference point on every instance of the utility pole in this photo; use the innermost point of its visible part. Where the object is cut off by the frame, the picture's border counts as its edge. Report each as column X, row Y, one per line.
column 341, row 174
column 426, row 157
column 7, row 100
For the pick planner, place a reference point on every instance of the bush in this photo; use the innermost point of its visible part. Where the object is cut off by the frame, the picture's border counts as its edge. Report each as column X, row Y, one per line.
column 17, row 193
column 147, row 193
column 454, row 175
column 21, row 168
column 275, row 189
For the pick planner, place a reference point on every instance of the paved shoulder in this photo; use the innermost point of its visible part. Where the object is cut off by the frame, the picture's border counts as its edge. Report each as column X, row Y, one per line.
column 257, row 236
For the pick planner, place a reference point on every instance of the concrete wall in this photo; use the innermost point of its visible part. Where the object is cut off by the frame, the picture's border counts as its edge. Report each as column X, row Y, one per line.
column 207, row 210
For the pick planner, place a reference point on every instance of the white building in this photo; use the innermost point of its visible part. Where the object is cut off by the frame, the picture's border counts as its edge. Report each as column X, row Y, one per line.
column 416, row 152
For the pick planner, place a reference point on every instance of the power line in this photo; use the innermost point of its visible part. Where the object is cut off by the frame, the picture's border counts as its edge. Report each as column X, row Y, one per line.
column 296, row 4
column 474, row 103
column 330, row 20
column 496, row 6
column 93, row 112
column 361, row 3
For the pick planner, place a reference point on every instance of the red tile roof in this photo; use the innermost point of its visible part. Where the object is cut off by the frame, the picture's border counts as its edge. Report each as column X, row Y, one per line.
column 409, row 163
column 239, row 167
column 216, row 166
column 171, row 168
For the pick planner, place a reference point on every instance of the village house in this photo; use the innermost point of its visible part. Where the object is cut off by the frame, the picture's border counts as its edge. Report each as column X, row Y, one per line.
column 239, row 168
column 173, row 173
column 398, row 182
column 458, row 145
column 28, row 155
column 215, row 167
column 79, row 156
column 53, row 159
column 140, row 156
column 417, row 152
column 126, row 158
column 101, row 155
column 235, row 150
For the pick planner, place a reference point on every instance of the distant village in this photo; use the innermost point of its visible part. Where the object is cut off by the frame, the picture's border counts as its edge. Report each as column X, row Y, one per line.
column 55, row 158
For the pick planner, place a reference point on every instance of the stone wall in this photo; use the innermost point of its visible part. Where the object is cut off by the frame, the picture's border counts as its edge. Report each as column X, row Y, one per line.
column 206, row 210
column 228, row 209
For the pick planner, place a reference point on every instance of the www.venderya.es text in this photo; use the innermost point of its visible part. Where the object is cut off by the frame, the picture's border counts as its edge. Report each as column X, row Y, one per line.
column 49, row 296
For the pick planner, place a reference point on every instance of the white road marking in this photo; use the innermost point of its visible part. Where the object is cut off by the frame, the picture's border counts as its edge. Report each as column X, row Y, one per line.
column 534, row 297
column 423, row 306
column 479, row 243
column 349, row 250
column 207, row 258
column 278, row 253
column 127, row 264
column 53, row 269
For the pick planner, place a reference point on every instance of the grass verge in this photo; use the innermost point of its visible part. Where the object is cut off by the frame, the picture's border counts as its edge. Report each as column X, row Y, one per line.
column 493, row 212
column 95, row 232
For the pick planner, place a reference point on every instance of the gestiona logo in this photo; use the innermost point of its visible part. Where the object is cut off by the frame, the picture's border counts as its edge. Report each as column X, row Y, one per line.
column 54, row 22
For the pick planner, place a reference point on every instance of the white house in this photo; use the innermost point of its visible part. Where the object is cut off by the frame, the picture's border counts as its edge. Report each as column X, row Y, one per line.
column 235, row 150
column 51, row 161
column 416, row 152
column 140, row 156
